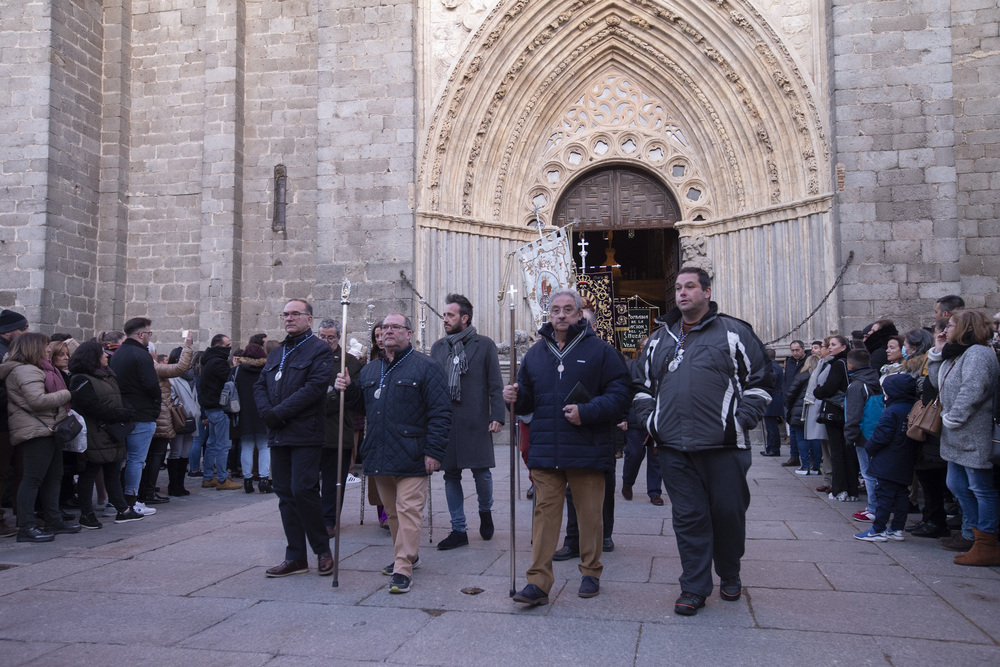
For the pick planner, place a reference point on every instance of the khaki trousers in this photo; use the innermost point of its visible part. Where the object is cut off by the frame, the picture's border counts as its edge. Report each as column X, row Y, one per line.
column 588, row 497
column 404, row 499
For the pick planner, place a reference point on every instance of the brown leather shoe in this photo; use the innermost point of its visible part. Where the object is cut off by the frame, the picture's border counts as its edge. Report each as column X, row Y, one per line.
column 657, row 500
column 229, row 484
column 626, row 492
column 325, row 564
column 289, row 567
column 209, row 483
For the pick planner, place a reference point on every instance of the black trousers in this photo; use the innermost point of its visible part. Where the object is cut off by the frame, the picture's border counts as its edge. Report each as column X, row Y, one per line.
column 43, row 469
column 709, row 498
column 112, row 483
column 843, row 461
column 933, row 482
column 295, row 475
column 573, row 529
column 328, row 472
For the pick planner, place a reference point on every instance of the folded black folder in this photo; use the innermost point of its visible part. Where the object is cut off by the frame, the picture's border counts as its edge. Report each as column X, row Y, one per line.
column 578, row 394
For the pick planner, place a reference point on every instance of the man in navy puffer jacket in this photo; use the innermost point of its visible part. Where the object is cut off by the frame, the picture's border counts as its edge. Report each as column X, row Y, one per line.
column 576, row 387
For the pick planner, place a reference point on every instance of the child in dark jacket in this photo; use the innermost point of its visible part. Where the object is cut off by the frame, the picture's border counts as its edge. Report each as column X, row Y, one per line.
column 891, row 458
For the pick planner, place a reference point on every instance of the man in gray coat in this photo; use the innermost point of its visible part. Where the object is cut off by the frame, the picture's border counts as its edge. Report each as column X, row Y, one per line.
column 470, row 362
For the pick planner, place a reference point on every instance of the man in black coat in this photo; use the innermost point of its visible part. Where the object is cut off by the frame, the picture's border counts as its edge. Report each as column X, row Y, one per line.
column 472, row 366
column 407, row 418
column 133, row 366
column 329, row 333
column 290, row 396
column 215, row 372
column 793, row 365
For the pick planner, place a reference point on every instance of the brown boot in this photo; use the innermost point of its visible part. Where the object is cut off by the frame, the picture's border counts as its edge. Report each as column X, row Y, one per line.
column 984, row 552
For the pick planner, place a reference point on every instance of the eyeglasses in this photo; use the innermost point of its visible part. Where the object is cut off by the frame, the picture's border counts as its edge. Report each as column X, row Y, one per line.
column 294, row 313
column 143, row 333
column 569, row 310
column 395, row 327
column 327, row 338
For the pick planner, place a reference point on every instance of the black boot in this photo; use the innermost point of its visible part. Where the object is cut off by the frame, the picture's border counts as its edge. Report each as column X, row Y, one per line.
column 175, row 473
column 486, row 525
column 147, row 483
column 182, row 466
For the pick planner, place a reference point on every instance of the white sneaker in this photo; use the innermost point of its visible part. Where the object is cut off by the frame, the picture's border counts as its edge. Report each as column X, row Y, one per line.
column 140, row 508
column 351, row 479
column 109, row 510
column 896, row 535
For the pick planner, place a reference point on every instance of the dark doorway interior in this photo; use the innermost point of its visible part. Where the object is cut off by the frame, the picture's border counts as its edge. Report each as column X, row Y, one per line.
column 626, row 216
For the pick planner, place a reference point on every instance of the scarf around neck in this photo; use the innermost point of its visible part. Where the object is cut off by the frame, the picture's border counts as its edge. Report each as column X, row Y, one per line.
column 953, row 350
column 458, row 363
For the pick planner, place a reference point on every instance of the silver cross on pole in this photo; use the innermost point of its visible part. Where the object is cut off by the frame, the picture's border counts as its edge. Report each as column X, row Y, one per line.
column 582, row 243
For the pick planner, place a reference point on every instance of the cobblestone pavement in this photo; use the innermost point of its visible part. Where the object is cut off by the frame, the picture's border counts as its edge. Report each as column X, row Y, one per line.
column 187, row 586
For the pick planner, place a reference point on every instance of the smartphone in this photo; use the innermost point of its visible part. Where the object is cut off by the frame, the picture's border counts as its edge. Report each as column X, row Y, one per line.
column 185, row 333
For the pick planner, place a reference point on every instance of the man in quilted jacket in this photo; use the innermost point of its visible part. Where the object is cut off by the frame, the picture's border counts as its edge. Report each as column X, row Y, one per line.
column 407, row 421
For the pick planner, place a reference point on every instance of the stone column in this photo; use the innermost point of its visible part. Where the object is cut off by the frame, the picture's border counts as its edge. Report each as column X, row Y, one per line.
column 222, row 169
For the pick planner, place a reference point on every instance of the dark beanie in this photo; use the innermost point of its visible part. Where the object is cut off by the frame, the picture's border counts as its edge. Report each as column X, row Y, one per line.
column 11, row 321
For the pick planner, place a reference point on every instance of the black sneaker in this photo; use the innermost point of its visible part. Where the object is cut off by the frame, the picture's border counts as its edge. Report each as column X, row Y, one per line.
column 400, row 583
column 730, row 590
column 608, row 545
column 64, row 528
column 454, row 540
column 128, row 515
column 388, row 569
column 486, row 527
column 532, row 596
column 688, row 604
column 34, row 534
column 90, row 521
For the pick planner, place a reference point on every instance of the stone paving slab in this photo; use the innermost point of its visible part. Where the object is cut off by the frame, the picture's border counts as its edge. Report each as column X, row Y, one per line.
column 505, row 639
column 317, row 630
column 696, row 643
column 29, row 576
column 109, row 654
column 923, row 617
column 926, row 653
column 64, row 616
column 137, row 577
column 19, row 652
column 977, row 599
column 873, row 579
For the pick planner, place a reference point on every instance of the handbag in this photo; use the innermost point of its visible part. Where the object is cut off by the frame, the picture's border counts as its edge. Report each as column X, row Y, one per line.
column 930, row 418
column 913, row 430
column 182, row 422
column 118, row 431
column 830, row 413
column 65, row 430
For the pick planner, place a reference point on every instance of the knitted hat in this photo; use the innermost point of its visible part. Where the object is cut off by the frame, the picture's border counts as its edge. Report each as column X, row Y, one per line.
column 11, row 321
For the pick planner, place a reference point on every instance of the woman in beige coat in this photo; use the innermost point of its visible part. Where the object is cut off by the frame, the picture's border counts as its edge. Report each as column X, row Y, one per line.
column 164, row 426
column 34, row 410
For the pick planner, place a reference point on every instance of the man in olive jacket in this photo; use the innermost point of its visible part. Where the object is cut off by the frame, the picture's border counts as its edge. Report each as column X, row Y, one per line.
column 407, row 419
column 472, row 366
column 290, row 396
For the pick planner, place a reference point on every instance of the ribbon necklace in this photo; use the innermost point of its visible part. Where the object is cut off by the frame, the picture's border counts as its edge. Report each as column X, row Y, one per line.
column 277, row 376
column 679, row 350
column 559, row 355
column 385, row 372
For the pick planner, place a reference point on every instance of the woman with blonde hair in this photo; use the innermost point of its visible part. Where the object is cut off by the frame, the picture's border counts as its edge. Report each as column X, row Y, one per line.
column 964, row 369
column 35, row 405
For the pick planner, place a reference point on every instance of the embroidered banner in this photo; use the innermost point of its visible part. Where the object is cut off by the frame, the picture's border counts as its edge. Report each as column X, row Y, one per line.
column 638, row 328
column 546, row 266
column 597, row 290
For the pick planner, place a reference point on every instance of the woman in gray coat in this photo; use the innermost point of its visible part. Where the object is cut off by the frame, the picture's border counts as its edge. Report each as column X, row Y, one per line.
column 965, row 369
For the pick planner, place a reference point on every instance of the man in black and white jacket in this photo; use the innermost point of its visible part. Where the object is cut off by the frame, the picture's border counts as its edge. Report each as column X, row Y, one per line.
column 701, row 385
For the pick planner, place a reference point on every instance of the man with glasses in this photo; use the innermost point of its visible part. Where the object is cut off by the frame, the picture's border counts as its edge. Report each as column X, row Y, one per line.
column 407, row 420
column 12, row 325
column 577, row 388
column 329, row 333
column 133, row 366
column 290, row 396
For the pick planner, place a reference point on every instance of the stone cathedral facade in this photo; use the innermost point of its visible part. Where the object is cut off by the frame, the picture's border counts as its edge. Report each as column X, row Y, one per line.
column 202, row 161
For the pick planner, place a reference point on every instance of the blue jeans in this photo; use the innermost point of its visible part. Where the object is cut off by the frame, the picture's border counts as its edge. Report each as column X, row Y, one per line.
column 772, row 444
column 810, row 451
column 977, row 496
column 870, row 482
column 247, row 443
column 136, row 449
column 456, row 497
column 217, row 444
column 197, row 446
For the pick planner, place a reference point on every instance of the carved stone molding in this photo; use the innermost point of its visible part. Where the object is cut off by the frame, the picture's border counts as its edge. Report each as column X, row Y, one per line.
column 759, row 218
